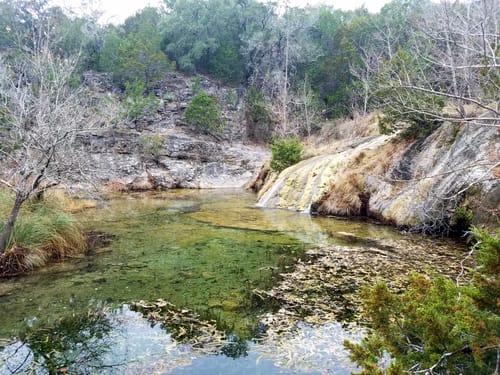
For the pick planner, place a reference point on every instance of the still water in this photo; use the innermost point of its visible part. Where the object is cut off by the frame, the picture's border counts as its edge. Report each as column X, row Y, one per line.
column 204, row 251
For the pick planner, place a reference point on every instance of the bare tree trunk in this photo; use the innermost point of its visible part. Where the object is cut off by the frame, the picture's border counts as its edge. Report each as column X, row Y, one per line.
column 7, row 229
column 306, row 107
column 285, row 90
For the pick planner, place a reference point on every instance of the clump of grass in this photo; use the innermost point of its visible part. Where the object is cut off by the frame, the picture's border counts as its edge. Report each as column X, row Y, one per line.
column 44, row 231
column 343, row 196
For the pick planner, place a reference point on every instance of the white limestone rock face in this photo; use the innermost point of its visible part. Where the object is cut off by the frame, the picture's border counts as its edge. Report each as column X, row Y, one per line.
column 415, row 184
column 159, row 151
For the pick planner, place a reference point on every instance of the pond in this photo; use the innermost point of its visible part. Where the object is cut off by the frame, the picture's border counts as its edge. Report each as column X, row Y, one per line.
column 203, row 251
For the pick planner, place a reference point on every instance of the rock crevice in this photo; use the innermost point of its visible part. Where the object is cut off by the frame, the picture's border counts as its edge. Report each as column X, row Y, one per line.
column 420, row 185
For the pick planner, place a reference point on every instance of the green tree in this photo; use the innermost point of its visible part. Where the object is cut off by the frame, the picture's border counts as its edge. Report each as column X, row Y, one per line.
column 136, row 103
column 130, row 57
column 78, row 36
column 139, row 59
column 437, row 325
column 30, row 24
column 203, row 36
column 285, row 153
column 259, row 113
column 342, row 36
column 227, row 64
column 204, row 112
column 133, row 52
column 259, row 119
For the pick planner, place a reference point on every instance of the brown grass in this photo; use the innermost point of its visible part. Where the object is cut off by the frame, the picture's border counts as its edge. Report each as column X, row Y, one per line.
column 257, row 184
column 61, row 199
column 13, row 262
column 334, row 136
column 343, row 196
column 44, row 231
column 348, row 188
column 116, row 187
column 496, row 171
column 137, row 185
column 67, row 242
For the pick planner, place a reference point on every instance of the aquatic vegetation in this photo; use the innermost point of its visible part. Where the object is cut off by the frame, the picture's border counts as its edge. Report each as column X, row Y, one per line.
column 205, row 252
column 187, row 327
column 437, row 325
column 325, row 288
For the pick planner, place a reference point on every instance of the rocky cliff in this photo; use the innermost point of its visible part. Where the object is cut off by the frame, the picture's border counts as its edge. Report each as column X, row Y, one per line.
column 160, row 151
column 438, row 184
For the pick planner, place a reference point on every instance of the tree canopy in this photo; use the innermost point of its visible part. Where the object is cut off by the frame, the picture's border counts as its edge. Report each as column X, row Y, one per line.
column 419, row 62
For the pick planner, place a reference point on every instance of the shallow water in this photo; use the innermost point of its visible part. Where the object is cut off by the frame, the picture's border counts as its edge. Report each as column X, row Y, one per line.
column 202, row 250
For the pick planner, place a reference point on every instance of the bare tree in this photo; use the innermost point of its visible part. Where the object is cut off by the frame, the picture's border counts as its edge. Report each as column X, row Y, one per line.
column 43, row 111
column 454, row 60
column 365, row 72
column 274, row 54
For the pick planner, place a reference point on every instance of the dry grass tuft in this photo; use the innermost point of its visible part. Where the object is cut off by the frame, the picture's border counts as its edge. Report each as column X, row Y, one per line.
column 61, row 199
column 13, row 263
column 334, row 136
column 116, row 187
column 343, row 196
column 66, row 239
column 44, row 231
column 349, row 193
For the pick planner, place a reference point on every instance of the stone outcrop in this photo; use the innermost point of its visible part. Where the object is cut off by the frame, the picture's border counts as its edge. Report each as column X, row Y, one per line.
column 425, row 185
column 160, row 151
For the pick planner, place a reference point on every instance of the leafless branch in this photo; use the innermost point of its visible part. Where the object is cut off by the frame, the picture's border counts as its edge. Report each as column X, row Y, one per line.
column 448, row 95
column 431, row 369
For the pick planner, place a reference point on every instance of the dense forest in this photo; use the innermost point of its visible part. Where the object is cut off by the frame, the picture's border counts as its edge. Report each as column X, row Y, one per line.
column 418, row 64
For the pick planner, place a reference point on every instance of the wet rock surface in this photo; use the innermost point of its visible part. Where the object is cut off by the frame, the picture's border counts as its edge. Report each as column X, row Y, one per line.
column 416, row 184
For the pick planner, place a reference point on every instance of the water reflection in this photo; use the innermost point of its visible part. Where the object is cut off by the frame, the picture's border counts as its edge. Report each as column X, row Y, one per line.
column 205, row 251
column 125, row 342
column 75, row 344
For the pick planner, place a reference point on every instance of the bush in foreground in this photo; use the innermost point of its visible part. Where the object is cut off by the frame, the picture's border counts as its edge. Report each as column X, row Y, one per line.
column 437, row 326
column 42, row 233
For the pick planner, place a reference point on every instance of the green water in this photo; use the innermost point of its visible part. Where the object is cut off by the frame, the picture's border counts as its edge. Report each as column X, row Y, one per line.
column 197, row 249
column 204, row 250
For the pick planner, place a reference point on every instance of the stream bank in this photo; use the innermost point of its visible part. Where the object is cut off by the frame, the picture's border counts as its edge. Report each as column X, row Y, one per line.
column 205, row 251
column 437, row 185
